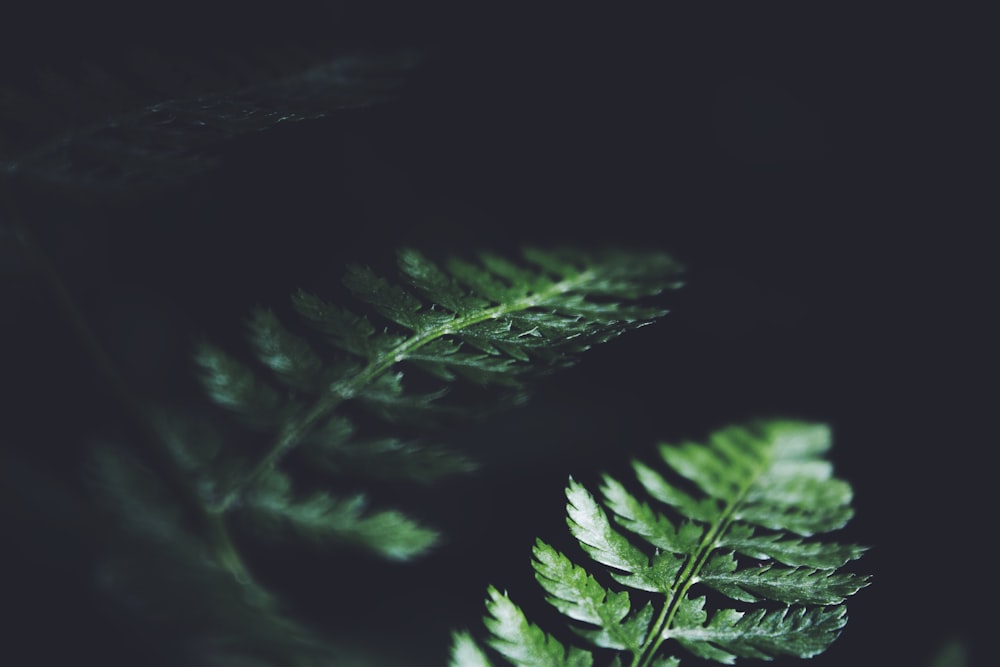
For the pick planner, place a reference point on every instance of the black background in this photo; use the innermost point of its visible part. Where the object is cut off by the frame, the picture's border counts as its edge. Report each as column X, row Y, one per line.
column 812, row 168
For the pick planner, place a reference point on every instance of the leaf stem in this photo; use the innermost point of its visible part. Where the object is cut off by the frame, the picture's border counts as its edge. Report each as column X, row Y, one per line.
column 688, row 576
column 153, row 449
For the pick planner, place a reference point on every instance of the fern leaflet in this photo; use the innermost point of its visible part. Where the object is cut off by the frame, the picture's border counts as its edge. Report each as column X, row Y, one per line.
column 738, row 495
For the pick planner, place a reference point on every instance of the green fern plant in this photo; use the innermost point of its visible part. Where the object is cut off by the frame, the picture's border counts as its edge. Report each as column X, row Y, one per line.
column 493, row 323
column 738, row 522
column 344, row 391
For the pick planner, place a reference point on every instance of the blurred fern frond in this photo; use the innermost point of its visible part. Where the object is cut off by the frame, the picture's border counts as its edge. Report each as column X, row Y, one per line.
column 493, row 323
column 157, row 570
column 94, row 131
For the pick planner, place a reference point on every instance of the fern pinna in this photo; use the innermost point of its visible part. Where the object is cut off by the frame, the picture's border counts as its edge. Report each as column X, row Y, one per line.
column 490, row 322
column 746, row 500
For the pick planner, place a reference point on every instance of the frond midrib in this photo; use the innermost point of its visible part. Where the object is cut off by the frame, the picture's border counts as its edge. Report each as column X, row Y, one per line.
column 689, row 575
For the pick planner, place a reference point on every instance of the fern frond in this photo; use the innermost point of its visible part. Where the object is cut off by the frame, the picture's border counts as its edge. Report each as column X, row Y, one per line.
column 495, row 323
column 156, row 567
column 742, row 492
column 116, row 141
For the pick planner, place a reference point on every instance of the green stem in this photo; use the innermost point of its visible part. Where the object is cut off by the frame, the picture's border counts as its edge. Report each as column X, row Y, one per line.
column 688, row 576
column 345, row 390
column 153, row 449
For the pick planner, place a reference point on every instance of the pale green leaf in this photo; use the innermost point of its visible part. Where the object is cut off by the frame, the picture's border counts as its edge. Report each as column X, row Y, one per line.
column 794, row 551
column 800, row 585
column 524, row 644
column 718, row 476
column 794, row 498
column 796, row 631
column 589, row 524
column 657, row 486
column 577, row 595
column 639, row 518
column 465, row 652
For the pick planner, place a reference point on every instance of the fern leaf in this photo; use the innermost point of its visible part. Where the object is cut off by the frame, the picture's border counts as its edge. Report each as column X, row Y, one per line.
column 122, row 147
column 752, row 486
column 465, row 652
column 524, row 644
column 762, row 634
column 799, row 585
column 639, row 518
column 322, row 517
column 823, row 555
column 495, row 323
column 590, row 526
column 580, row 597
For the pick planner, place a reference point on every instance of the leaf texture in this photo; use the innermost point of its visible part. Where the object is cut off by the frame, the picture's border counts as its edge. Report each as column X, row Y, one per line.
column 733, row 515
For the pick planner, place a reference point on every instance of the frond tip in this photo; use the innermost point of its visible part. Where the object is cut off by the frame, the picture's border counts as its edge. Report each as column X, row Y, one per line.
column 739, row 494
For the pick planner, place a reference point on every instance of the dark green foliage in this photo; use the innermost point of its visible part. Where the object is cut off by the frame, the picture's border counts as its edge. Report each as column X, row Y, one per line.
column 736, row 498
column 321, row 516
column 338, row 390
column 494, row 323
column 93, row 131
column 158, row 569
